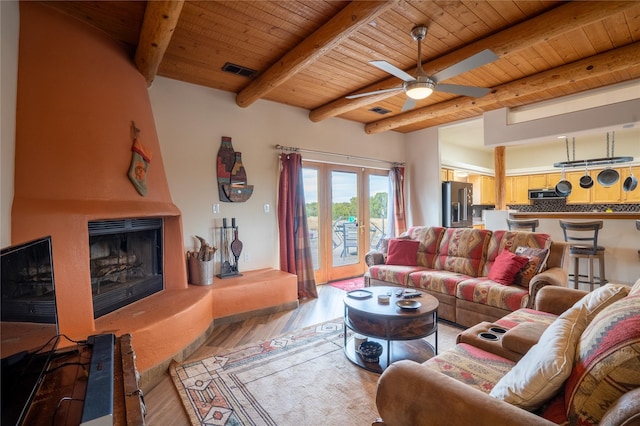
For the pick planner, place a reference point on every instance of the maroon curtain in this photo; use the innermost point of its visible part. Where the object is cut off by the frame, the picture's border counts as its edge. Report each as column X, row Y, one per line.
column 295, row 252
column 396, row 174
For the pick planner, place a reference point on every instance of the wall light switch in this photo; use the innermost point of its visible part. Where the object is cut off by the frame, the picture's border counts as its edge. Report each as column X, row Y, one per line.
column 216, row 208
column 267, row 208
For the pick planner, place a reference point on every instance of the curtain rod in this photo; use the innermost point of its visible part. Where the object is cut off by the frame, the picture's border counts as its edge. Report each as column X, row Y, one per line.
column 294, row 149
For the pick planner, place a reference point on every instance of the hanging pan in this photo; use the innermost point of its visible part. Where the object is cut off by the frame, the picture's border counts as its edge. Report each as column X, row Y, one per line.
column 563, row 187
column 586, row 181
column 630, row 183
column 608, row 177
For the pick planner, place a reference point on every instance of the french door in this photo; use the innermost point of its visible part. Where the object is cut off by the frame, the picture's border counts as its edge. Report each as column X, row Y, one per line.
column 346, row 212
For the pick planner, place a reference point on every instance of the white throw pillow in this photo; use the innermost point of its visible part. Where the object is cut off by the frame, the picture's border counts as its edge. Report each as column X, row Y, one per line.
column 543, row 370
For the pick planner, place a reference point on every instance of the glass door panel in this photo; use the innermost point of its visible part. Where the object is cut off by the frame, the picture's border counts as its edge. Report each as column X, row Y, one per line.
column 346, row 256
column 344, row 213
column 378, row 209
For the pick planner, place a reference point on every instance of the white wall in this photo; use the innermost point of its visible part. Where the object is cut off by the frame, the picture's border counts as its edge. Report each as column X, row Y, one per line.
column 9, row 28
column 458, row 157
column 190, row 121
column 424, row 193
column 499, row 131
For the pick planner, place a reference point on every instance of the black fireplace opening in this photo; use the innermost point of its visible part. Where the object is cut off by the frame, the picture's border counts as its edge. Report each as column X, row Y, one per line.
column 125, row 261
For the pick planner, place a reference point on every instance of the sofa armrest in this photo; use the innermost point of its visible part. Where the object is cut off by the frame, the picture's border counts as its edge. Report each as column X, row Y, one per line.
column 556, row 300
column 374, row 257
column 555, row 276
column 625, row 411
column 411, row 394
column 523, row 336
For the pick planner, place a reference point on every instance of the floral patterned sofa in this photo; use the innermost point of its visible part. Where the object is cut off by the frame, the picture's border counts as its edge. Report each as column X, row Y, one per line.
column 573, row 360
column 465, row 270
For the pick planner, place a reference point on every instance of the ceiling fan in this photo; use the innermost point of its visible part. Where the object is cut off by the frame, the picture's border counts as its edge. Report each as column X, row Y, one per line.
column 422, row 85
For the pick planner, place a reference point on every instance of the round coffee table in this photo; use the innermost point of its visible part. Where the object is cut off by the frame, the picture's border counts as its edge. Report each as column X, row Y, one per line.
column 387, row 322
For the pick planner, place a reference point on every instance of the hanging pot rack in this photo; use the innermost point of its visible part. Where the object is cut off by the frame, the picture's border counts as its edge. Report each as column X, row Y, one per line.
column 594, row 162
column 608, row 160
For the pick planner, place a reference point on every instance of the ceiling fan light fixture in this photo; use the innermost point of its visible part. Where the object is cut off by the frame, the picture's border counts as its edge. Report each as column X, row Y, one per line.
column 419, row 89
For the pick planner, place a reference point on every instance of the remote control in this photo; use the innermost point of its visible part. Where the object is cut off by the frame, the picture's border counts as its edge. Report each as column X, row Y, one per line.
column 412, row 295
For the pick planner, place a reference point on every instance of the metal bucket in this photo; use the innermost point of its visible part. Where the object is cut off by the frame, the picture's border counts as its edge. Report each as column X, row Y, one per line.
column 200, row 271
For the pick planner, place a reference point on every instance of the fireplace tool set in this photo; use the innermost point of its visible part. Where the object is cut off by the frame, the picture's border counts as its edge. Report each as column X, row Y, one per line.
column 229, row 266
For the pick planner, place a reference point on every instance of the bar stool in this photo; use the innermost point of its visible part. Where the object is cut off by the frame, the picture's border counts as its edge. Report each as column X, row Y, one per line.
column 583, row 244
column 528, row 224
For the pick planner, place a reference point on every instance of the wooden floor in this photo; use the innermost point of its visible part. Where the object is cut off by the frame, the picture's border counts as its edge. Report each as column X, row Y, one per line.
column 163, row 404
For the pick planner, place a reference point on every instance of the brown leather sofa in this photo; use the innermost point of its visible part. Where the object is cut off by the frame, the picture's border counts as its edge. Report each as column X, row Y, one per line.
column 453, row 265
column 600, row 383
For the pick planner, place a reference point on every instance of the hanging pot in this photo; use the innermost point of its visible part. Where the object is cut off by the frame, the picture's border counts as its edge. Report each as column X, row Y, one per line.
column 630, row 183
column 586, row 181
column 608, row 177
column 564, row 186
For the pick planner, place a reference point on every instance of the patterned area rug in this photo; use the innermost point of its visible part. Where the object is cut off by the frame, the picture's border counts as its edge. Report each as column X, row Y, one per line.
column 348, row 284
column 301, row 378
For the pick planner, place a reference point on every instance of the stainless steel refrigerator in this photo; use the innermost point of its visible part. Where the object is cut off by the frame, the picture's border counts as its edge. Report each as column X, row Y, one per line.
column 457, row 198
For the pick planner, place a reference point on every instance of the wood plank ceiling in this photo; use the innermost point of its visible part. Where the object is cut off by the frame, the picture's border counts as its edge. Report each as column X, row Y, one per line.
column 311, row 54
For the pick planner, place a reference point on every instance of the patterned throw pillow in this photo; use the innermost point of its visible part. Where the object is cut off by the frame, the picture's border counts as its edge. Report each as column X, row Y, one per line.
column 537, row 263
column 607, row 363
column 506, row 267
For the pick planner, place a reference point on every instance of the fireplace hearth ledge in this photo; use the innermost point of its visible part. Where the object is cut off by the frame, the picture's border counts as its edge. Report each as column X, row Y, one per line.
column 172, row 324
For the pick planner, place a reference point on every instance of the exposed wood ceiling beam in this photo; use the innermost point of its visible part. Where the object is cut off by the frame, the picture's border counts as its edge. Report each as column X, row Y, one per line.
column 325, row 38
column 622, row 58
column 160, row 20
column 556, row 22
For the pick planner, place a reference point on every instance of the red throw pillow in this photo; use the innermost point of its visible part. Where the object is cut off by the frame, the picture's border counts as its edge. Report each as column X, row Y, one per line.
column 506, row 267
column 403, row 252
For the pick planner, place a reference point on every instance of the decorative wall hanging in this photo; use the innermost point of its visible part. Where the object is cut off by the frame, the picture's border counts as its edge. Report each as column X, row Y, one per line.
column 232, row 176
column 228, row 266
column 140, row 161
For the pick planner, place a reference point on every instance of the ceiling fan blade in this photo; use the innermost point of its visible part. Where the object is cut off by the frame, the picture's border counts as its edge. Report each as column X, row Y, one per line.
column 479, row 59
column 476, row 92
column 393, row 70
column 408, row 104
column 376, row 92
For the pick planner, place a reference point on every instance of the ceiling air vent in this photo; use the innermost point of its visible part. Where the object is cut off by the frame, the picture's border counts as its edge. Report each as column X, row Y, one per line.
column 239, row 70
column 380, row 110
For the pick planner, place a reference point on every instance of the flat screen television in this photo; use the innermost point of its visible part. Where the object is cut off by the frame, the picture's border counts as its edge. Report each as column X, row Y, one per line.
column 28, row 300
column 27, row 285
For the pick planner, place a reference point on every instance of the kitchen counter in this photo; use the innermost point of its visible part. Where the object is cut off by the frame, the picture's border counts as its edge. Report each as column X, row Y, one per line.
column 577, row 215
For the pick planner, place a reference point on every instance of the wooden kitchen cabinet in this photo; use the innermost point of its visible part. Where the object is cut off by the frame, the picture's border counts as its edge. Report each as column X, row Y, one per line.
column 544, row 180
column 484, row 189
column 446, row 175
column 538, row 181
column 553, row 179
column 517, row 189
